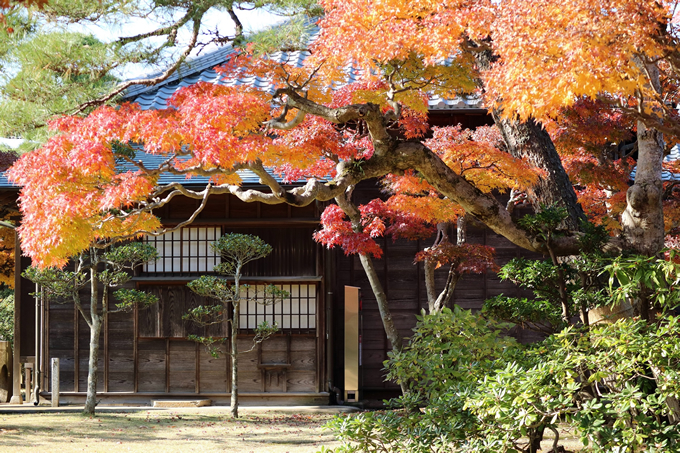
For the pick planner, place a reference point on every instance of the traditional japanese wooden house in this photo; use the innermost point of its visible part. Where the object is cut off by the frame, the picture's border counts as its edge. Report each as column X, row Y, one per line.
column 145, row 355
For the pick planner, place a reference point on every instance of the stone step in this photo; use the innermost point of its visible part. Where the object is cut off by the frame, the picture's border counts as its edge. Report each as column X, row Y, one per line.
column 181, row 403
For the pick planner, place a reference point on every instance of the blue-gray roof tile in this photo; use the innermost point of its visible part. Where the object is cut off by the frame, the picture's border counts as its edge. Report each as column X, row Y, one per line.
column 202, row 69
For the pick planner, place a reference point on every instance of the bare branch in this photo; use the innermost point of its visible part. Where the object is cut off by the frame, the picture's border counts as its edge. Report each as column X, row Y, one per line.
column 278, row 122
column 147, row 81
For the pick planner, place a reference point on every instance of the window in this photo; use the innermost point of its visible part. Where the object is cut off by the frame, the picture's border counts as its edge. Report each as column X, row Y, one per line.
column 186, row 251
column 296, row 312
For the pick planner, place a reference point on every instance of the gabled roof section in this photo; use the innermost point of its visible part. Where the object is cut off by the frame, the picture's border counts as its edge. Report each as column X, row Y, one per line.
column 201, row 69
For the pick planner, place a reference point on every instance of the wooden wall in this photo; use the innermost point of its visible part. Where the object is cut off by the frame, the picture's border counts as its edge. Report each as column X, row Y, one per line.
column 404, row 285
column 146, row 351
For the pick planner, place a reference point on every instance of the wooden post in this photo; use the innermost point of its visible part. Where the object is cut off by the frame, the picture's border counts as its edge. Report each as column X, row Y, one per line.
column 352, row 346
column 55, row 382
column 28, row 368
column 37, row 359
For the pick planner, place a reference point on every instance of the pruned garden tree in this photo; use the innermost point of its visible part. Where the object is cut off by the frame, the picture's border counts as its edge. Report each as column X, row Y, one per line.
column 236, row 250
column 95, row 274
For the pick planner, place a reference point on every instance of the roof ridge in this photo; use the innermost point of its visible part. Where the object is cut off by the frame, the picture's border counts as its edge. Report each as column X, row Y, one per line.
column 186, row 69
column 194, row 65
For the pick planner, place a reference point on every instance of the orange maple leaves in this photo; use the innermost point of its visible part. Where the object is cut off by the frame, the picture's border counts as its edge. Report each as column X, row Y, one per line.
column 74, row 194
column 550, row 55
column 67, row 204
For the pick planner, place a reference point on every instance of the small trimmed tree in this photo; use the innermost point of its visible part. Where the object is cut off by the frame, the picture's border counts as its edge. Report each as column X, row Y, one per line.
column 236, row 251
column 101, row 270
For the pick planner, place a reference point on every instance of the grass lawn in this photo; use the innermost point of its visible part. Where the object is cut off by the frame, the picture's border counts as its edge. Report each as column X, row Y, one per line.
column 164, row 431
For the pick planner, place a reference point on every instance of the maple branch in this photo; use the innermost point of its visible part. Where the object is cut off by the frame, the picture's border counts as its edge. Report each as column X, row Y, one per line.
column 179, row 190
column 163, row 167
column 369, row 113
column 267, row 179
column 189, row 220
column 280, row 121
column 345, row 202
column 338, row 115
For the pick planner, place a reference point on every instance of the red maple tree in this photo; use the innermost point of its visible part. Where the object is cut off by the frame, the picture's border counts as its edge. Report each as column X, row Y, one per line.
column 527, row 59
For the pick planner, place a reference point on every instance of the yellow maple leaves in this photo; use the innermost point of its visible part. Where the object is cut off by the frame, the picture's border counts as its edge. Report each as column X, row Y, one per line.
column 550, row 54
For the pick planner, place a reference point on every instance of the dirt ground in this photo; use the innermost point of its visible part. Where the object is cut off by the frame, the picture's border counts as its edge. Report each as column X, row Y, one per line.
column 167, row 431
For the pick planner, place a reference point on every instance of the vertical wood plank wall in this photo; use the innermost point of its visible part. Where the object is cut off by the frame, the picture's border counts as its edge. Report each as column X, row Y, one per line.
column 175, row 365
column 146, row 351
column 404, row 285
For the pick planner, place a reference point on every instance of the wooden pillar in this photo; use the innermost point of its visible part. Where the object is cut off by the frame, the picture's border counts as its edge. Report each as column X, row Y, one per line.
column 38, row 359
column 28, row 369
column 55, row 382
column 352, row 346
column 16, row 356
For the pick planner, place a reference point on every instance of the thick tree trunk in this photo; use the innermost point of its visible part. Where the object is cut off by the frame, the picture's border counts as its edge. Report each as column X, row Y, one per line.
column 91, row 400
column 642, row 221
column 530, row 141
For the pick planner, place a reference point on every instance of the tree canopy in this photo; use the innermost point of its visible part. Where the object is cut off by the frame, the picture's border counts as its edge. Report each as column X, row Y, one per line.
column 67, row 57
column 576, row 89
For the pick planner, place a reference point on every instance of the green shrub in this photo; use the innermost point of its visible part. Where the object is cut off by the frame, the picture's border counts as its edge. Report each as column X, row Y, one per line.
column 448, row 354
column 470, row 390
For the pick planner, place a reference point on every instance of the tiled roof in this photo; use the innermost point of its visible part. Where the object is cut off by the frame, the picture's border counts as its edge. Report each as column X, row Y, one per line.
column 666, row 175
column 152, row 161
column 201, row 69
column 5, row 184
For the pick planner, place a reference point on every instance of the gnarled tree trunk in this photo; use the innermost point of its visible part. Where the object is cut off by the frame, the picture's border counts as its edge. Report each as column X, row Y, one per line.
column 530, row 141
column 642, row 221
